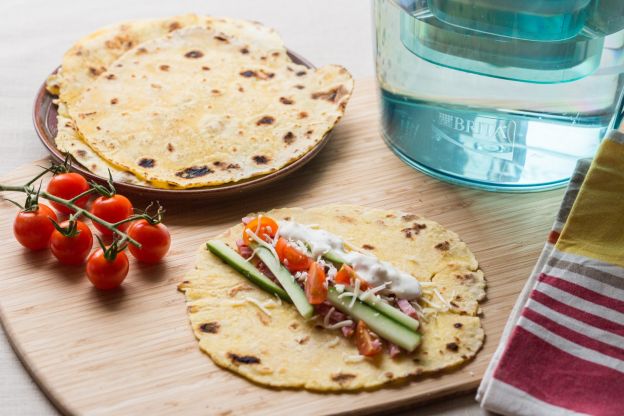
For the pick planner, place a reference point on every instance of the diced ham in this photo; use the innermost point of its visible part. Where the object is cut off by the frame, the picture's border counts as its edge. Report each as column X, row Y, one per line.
column 407, row 308
column 244, row 250
column 393, row 350
column 348, row 331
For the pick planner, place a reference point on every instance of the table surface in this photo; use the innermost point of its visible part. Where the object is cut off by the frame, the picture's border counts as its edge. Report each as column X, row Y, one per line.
column 35, row 34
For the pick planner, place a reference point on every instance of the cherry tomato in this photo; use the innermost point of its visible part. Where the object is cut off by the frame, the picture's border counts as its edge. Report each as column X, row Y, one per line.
column 112, row 209
column 33, row 229
column 154, row 238
column 368, row 343
column 316, row 285
column 346, row 276
column 67, row 186
column 293, row 259
column 107, row 274
column 72, row 250
column 265, row 228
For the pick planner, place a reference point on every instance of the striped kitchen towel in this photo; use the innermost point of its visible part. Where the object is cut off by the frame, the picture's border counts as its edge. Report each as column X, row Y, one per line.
column 562, row 350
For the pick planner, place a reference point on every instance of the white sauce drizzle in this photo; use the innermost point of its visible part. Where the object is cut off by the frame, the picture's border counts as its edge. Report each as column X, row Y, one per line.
column 367, row 266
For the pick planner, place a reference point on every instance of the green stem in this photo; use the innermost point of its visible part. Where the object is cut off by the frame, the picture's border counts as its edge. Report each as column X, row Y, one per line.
column 78, row 211
column 85, row 193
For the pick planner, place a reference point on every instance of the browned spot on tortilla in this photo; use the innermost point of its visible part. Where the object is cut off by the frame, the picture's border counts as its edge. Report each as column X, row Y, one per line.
column 303, row 114
column 342, row 378
column 174, row 26
column 389, row 374
column 368, row 247
column 248, row 74
column 81, row 153
column 289, row 137
column 390, row 216
column 346, row 218
column 96, row 71
column 194, row 172
column 302, row 340
column 413, row 230
column 265, row 320
column 309, row 132
column 225, row 165
column 141, row 51
column 301, row 73
column 96, row 127
column 238, row 288
column 299, row 86
column 216, row 91
column 265, row 120
column 164, row 68
column 222, row 39
column 452, row 346
column 443, row 246
column 465, row 278
column 170, row 147
column 261, row 159
column 241, row 89
column 334, row 95
column 94, row 166
column 146, row 162
column 114, row 101
column 458, row 325
column 205, row 68
column 294, row 326
column 210, row 327
column 409, row 217
column 244, row 51
column 192, row 308
column 111, row 76
column 243, row 359
column 286, row 101
column 275, row 54
column 195, row 54
column 156, row 86
column 83, row 115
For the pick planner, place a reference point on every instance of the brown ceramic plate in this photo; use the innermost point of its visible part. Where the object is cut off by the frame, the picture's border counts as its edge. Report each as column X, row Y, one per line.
column 44, row 117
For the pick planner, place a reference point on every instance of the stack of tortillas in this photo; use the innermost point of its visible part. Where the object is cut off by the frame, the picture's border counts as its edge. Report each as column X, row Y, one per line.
column 191, row 101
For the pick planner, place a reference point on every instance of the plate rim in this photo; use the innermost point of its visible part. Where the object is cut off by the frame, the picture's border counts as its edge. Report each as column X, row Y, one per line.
column 43, row 105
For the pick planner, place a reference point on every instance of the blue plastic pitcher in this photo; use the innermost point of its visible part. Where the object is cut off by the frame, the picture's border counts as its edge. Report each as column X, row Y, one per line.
column 499, row 94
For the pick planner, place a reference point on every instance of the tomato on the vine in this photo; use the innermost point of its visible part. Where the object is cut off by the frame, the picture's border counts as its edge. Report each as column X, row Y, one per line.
column 33, row 229
column 72, row 249
column 154, row 239
column 106, row 273
column 112, row 209
column 67, row 186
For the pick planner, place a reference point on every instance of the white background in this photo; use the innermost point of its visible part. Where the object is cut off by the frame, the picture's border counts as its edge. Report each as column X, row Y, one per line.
column 33, row 36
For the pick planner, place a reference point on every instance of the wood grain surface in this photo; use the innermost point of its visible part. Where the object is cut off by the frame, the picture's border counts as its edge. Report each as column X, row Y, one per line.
column 132, row 351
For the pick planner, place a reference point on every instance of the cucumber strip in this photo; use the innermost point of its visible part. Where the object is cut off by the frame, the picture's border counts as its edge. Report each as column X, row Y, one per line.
column 297, row 295
column 379, row 323
column 238, row 263
column 392, row 312
column 334, row 258
column 379, row 305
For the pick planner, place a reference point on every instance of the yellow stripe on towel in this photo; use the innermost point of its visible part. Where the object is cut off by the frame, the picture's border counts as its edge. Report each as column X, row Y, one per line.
column 595, row 227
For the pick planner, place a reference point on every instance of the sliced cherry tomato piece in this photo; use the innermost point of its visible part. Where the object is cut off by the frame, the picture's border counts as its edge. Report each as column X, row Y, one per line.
column 291, row 257
column 264, row 227
column 316, row 285
column 368, row 343
column 346, row 276
column 33, row 228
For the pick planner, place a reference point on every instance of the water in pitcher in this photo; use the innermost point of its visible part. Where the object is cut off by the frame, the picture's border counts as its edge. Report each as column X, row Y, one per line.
column 487, row 94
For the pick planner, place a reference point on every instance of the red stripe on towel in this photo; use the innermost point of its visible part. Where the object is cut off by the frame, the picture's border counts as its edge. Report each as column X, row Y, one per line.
column 552, row 375
column 573, row 336
column 583, row 293
column 578, row 314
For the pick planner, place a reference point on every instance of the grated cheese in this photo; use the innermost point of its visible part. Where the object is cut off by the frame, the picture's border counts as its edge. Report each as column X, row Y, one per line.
column 338, row 325
column 353, row 358
column 254, row 302
column 356, row 292
column 333, row 342
column 327, row 317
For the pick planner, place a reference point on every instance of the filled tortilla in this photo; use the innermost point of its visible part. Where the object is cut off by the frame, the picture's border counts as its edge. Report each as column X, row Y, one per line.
column 258, row 335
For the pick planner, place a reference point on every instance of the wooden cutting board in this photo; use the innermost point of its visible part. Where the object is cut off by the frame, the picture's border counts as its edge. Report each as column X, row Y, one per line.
column 132, row 351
